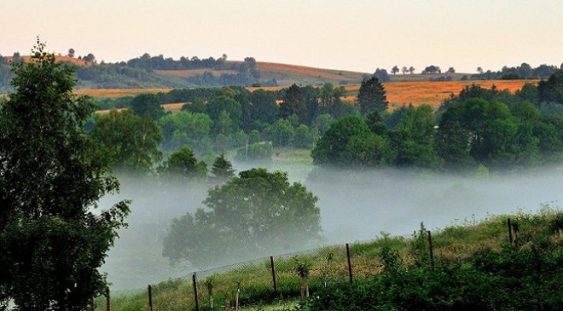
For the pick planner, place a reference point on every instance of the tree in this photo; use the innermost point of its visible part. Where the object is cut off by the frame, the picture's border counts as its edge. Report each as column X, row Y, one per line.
column 183, row 165
column 382, row 75
column 480, row 70
column 432, row 69
column 51, row 177
column 395, row 70
column 227, row 104
column 255, row 214
column 280, row 133
column 371, row 96
column 304, row 136
column 404, row 70
column 185, row 128
column 147, row 105
column 71, row 52
column 413, row 138
column 90, row 58
column 350, row 143
column 552, row 89
column 411, row 69
column 300, row 101
column 451, row 71
column 129, row 142
column 222, row 170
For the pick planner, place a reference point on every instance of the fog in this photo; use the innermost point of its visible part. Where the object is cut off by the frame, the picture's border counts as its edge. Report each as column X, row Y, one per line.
column 355, row 206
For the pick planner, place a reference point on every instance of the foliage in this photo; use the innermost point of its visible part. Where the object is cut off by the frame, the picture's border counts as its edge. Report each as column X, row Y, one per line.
column 261, row 152
column 183, row 165
column 186, row 128
column 129, row 142
column 147, row 105
column 51, row 178
column 371, row 96
column 222, row 170
column 350, row 143
column 552, row 89
column 250, row 215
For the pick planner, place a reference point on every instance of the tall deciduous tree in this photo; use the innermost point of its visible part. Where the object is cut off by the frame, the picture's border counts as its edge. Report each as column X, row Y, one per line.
column 51, row 178
column 257, row 213
column 371, row 96
column 129, row 142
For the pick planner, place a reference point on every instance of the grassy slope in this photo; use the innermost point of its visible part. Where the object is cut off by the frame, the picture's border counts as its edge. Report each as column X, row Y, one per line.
column 450, row 244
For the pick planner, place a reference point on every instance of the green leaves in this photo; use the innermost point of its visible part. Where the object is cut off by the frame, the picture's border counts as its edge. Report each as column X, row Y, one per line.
column 51, row 177
column 255, row 214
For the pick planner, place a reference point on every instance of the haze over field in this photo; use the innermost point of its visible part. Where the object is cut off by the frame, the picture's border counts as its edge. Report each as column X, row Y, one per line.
column 355, row 206
column 355, row 35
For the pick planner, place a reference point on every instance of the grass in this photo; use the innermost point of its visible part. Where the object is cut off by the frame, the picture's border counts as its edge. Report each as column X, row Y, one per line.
column 328, row 265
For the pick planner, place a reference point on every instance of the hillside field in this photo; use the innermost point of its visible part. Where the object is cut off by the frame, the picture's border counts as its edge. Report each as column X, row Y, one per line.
column 398, row 93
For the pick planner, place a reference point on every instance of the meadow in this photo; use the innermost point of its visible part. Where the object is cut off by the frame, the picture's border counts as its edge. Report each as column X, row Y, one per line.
column 327, row 267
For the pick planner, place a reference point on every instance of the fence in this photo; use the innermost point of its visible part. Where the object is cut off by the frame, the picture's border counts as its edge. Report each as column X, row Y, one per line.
column 280, row 277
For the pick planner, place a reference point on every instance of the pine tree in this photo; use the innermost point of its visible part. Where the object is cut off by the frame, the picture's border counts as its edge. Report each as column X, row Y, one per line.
column 371, row 96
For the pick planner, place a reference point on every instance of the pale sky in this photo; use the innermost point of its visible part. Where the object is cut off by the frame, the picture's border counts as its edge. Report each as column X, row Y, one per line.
column 346, row 34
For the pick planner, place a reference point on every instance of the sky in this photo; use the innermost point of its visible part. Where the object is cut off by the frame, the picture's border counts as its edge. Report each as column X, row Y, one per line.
column 358, row 35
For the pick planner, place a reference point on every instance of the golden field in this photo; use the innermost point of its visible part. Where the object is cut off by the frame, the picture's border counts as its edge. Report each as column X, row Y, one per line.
column 398, row 93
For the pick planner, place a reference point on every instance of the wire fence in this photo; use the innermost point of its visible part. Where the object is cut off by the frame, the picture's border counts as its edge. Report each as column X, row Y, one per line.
column 282, row 277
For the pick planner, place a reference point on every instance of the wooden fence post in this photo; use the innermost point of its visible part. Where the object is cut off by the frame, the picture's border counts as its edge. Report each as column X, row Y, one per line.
column 431, row 248
column 349, row 263
column 509, row 225
column 273, row 275
column 149, row 288
column 194, row 284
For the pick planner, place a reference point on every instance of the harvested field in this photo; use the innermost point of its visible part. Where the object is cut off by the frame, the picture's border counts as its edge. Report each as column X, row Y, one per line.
column 115, row 93
column 432, row 93
column 398, row 93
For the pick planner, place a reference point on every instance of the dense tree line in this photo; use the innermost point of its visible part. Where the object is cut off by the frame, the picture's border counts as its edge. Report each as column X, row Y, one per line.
column 478, row 127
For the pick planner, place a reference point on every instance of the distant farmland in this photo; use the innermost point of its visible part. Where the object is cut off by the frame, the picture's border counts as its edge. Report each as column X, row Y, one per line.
column 398, row 93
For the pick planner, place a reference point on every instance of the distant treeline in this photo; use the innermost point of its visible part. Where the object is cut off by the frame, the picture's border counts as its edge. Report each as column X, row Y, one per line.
column 140, row 72
column 477, row 129
column 524, row 71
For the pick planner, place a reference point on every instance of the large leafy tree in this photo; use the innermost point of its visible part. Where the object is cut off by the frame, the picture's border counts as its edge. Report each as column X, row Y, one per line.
column 147, row 105
column 130, row 142
column 371, row 96
column 51, row 178
column 552, row 89
column 413, row 138
column 349, row 142
column 182, row 164
column 255, row 214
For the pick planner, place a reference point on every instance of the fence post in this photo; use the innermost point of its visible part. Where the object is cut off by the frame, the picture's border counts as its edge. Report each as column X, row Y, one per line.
column 431, row 248
column 349, row 263
column 509, row 224
column 273, row 275
column 108, row 300
column 150, row 297
column 194, row 284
